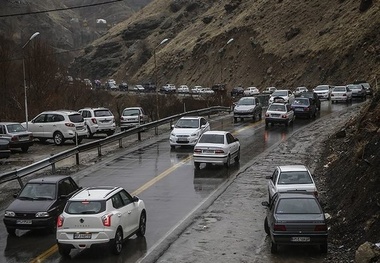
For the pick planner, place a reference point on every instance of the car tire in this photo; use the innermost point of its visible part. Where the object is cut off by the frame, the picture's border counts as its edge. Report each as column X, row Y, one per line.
column 11, row 231
column 323, row 248
column 172, row 147
column 260, row 115
column 116, row 244
column 266, row 226
column 110, row 133
column 25, row 149
column 235, row 120
column 237, row 158
column 228, row 163
column 64, row 250
column 142, row 225
column 197, row 165
column 89, row 133
column 58, row 138
column 273, row 248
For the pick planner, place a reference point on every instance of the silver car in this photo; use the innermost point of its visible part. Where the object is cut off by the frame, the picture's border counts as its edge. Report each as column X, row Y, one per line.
column 132, row 117
column 323, row 91
column 17, row 135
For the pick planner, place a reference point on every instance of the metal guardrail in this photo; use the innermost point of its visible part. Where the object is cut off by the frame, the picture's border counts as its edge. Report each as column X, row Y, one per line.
column 34, row 167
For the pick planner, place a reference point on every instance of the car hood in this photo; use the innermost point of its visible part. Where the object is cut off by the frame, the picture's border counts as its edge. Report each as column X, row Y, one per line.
column 19, row 205
column 321, row 91
column 185, row 131
column 300, row 217
column 244, row 107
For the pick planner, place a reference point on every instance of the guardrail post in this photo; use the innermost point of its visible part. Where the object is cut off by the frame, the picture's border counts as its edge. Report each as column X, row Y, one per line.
column 156, row 130
column 121, row 143
column 99, row 151
column 20, row 182
column 77, row 158
column 139, row 136
column 53, row 168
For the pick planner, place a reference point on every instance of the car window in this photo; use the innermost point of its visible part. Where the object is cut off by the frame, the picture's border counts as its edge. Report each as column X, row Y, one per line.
column 15, row 128
column 274, row 176
column 301, row 102
column 131, row 112
column 246, row 101
column 117, row 202
column 276, row 107
column 76, row 117
column 40, row 118
column 2, row 129
column 203, row 121
column 85, row 207
column 340, row 89
column 127, row 198
column 55, row 118
column 187, row 123
column 296, row 177
column 212, row 138
column 298, row 206
column 230, row 138
column 66, row 187
column 280, row 93
column 102, row 113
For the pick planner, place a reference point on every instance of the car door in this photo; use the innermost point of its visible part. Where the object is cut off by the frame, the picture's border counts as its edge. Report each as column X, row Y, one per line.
column 131, row 212
column 53, row 122
column 205, row 126
column 272, row 183
column 290, row 112
column 37, row 125
column 232, row 145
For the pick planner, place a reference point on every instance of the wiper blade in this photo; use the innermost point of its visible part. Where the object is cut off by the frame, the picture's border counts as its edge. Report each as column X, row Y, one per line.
column 25, row 198
column 43, row 198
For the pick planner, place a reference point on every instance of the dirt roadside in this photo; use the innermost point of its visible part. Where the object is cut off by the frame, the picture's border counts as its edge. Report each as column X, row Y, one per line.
column 231, row 228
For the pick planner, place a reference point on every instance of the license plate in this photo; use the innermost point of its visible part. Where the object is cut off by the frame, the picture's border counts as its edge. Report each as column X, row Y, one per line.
column 208, row 151
column 275, row 115
column 24, row 222
column 298, row 109
column 300, row 239
column 82, row 236
column 182, row 140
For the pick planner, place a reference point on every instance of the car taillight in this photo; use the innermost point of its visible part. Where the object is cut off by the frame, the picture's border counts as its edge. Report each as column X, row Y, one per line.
column 94, row 120
column 279, row 228
column 106, row 219
column 69, row 124
column 197, row 150
column 60, row 221
column 219, row 151
column 320, row 227
column 306, row 109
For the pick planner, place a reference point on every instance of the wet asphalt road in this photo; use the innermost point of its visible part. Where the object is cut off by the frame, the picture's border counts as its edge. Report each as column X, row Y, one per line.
column 176, row 190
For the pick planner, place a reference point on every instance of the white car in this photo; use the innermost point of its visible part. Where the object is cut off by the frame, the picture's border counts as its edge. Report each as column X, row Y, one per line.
column 207, row 91
column 300, row 90
column 285, row 94
column 100, row 215
column 98, row 120
column 251, row 91
column 58, row 125
column 138, row 88
column 216, row 147
column 269, row 90
column 183, row 89
column 187, row 131
column 341, row 93
column 323, row 91
column 197, row 89
column 291, row 178
column 132, row 117
column 281, row 113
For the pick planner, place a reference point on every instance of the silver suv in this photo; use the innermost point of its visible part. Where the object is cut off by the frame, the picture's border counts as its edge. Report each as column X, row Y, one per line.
column 58, row 125
column 132, row 117
column 98, row 120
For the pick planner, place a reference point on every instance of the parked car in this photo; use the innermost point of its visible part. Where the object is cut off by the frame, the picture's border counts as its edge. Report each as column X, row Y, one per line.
column 138, row 88
column 286, row 94
column 312, row 95
column 358, row 91
column 183, row 89
column 58, row 125
column 5, row 152
column 187, row 131
column 87, row 83
column 304, row 107
column 300, row 90
column 248, row 107
column 291, row 178
column 323, row 91
column 207, row 91
column 279, row 112
column 168, row 88
column 196, row 89
column 341, row 93
column 98, row 120
column 132, row 117
column 17, row 135
column 295, row 219
column 269, row 90
column 251, row 91
column 100, row 215
column 123, row 86
column 216, row 147
column 39, row 203
column 237, row 91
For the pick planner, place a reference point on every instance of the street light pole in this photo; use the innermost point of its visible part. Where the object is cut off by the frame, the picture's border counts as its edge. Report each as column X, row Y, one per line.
column 156, row 75
column 25, row 89
column 221, row 51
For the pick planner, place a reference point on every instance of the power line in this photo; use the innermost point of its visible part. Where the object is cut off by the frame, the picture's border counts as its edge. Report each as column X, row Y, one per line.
column 60, row 9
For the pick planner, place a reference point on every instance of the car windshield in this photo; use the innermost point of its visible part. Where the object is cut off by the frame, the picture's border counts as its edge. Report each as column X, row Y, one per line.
column 355, row 87
column 212, row 138
column 85, row 207
column 246, row 101
column 301, row 102
column 187, row 123
column 77, row 117
column 131, row 112
column 102, row 113
column 307, row 95
column 340, row 89
column 295, row 177
column 321, row 88
column 280, row 93
column 298, row 206
column 15, row 128
column 276, row 107
column 38, row 191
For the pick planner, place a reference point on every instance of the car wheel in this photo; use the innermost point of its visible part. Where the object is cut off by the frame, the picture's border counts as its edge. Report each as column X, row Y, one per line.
column 11, row 231
column 58, row 138
column 64, row 250
column 273, row 248
column 89, row 133
column 197, row 165
column 323, row 248
column 116, row 244
column 235, row 120
column 227, row 164
column 110, row 133
column 237, row 158
column 172, row 147
column 142, row 225
column 266, row 226
column 260, row 116
column 25, row 149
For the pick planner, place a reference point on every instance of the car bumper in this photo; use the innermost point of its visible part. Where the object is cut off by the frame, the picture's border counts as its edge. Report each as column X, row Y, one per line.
column 210, row 159
column 243, row 115
column 287, row 239
column 36, row 223
column 174, row 141
column 100, row 236
column 335, row 98
column 323, row 95
column 276, row 120
column 20, row 144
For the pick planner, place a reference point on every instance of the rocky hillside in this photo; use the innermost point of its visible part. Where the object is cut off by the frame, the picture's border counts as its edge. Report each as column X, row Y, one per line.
column 283, row 43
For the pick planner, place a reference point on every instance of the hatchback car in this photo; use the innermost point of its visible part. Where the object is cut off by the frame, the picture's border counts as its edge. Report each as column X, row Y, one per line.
column 279, row 112
column 248, row 107
column 341, row 93
column 17, row 135
column 251, row 91
column 39, row 203
column 304, row 107
column 358, row 91
column 98, row 120
column 100, row 215
column 323, row 91
column 58, row 125
column 291, row 178
column 132, row 117
column 285, row 94
column 138, row 88
column 216, row 147
column 295, row 219
column 187, row 131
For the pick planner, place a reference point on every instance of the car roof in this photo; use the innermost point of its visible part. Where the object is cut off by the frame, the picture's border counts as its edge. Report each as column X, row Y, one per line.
column 132, row 108
column 289, row 168
column 48, row 179
column 95, row 193
column 98, row 108
column 191, row 117
column 216, row 132
column 61, row 111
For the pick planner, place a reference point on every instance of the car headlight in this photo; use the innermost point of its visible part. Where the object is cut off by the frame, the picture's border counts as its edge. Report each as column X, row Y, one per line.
column 172, row 134
column 195, row 134
column 42, row 214
column 10, row 214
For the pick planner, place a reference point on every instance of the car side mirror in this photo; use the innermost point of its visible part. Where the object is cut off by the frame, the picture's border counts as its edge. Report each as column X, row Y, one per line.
column 135, row 199
column 268, row 177
column 236, row 139
column 265, row 203
column 172, row 127
column 203, row 126
column 15, row 195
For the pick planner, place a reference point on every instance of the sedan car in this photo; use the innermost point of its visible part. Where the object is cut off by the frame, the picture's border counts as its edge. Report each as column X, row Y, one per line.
column 251, row 91
column 269, row 90
column 304, row 107
column 17, row 135
column 341, row 93
column 248, row 107
column 216, row 147
column 295, row 219
column 187, row 131
column 39, row 203
column 323, row 91
column 279, row 112
column 291, row 178
column 237, row 91
column 312, row 95
column 4, row 148
column 183, row 89
column 286, row 94
column 358, row 91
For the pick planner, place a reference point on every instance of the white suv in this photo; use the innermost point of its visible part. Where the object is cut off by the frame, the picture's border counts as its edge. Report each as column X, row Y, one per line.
column 98, row 215
column 98, row 120
column 58, row 125
column 132, row 117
